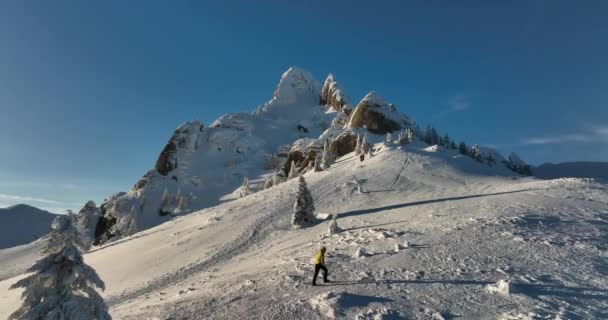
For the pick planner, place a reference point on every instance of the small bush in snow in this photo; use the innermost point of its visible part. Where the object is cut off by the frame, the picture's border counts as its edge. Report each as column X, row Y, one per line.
column 304, row 207
column 61, row 285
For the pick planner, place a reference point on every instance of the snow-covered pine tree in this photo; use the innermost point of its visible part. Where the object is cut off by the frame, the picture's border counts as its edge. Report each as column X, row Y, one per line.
column 446, row 140
column 453, row 145
column 333, row 226
column 131, row 224
column 165, row 199
column 463, row 149
column 143, row 202
column 182, row 204
column 389, row 139
column 402, row 139
column 61, row 285
column 491, row 160
column 327, row 157
column 267, row 183
column 409, row 135
column 293, row 171
column 303, row 207
column 318, row 161
column 476, row 153
column 177, row 197
column 365, row 146
column 244, row 188
column 359, row 145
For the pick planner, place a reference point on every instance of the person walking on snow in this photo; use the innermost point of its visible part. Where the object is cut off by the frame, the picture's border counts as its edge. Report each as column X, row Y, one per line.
column 320, row 265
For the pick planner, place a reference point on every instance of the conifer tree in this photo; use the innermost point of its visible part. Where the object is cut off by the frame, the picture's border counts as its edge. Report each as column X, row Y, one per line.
column 61, row 286
column 165, row 199
column 244, row 188
column 303, row 207
column 389, row 139
column 182, row 204
column 453, row 144
column 293, row 171
column 318, row 161
column 327, row 157
column 359, row 145
column 463, row 149
column 476, row 153
column 132, row 222
column 267, row 183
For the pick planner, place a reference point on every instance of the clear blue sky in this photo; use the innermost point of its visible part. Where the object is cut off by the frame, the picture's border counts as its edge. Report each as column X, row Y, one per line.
column 90, row 91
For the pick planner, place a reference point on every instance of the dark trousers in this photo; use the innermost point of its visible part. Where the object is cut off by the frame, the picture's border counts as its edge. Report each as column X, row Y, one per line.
column 317, row 268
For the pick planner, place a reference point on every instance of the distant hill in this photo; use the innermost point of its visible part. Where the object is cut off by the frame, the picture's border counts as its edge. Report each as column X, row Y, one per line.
column 21, row 224
column 598, row 170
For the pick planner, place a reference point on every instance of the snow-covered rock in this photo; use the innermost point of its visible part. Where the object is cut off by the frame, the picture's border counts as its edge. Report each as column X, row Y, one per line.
column 502, row 287
column 379, row 117
column 332, row 94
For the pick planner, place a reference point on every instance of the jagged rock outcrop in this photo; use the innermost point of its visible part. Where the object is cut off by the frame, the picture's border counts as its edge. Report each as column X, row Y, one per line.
column 340, row 120
column 88, row 219
column 303, row 153
column 184, row 137
column 344, row 143
column 378, row 116
column 332, row 95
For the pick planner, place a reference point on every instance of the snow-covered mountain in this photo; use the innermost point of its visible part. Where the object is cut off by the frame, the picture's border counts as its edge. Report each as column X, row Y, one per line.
column 202, row 166
column 21, row 224
column 427, row 233
column 597, row 170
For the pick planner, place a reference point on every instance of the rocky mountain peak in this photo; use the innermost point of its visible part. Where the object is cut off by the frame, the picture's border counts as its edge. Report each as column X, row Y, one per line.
column 297, row 86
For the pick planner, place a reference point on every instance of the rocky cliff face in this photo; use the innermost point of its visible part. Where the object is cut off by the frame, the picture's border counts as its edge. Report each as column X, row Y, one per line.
column 332, row 95
column 378, row 116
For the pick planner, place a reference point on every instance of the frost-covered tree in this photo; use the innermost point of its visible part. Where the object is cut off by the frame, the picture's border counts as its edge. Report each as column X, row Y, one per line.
column 318, row 161
column 490, row 159
column 476, row 153
column 61, row 286
column 453, row 145
column 244, row 188
column 365, row 145
column 293, row 170
column 463, row 149
column 402, row 139
column 177, row 197
column 304, row 207
column 359, row 145
column 182, row 204
column 409, row 135
column 431, row 136
column 333, row 225
column 267, row 183
column 389, row 139
column 131, row 224
column 446, row 140
column 327, row 157
column 165, row 198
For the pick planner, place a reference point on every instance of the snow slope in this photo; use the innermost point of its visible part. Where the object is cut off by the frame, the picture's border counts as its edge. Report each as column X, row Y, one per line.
column 437, row 232
column 21, row 224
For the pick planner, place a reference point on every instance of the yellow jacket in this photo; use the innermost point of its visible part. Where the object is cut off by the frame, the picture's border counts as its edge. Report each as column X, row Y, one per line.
column 320, row 257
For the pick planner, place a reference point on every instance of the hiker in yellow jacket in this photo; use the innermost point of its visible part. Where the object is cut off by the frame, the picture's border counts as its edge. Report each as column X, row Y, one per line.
column 320, row 265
